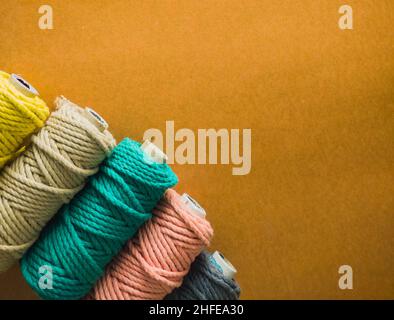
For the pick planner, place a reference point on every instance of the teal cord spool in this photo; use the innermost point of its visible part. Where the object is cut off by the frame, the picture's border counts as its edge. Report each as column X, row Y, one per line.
column 89, row 231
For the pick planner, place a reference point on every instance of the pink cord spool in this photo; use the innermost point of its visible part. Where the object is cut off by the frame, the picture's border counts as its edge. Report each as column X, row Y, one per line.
column 155, row 262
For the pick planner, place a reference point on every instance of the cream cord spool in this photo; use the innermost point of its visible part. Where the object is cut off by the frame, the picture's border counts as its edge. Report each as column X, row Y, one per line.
column 61, row 157
column 20, row 115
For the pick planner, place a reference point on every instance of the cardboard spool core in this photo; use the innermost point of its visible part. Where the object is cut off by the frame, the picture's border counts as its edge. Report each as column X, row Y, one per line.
column 193, row 205
column 154, row 152
column 96, row 119
column 23, row 86
column 223, row 265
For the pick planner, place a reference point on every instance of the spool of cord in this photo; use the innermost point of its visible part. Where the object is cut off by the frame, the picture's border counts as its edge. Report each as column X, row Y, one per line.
column 205, row 282
column 22, row 113
column 66, row 151
column 155, row 262
column 89, row 231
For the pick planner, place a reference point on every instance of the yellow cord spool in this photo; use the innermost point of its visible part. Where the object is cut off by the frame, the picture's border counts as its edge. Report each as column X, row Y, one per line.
column 22, row 113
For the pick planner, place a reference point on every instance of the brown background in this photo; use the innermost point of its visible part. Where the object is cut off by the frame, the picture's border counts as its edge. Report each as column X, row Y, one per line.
column 319, row 102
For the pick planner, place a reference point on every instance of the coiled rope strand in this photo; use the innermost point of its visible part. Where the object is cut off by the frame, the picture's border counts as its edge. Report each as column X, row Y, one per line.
column 66, row 151
column 20, row 116
column 155, row 262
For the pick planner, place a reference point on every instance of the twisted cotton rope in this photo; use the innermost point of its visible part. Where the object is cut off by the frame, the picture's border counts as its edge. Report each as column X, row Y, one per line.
column 154, row 263
column 92, row 228
column 205, row 282
column 20, row 116
column 66, row 151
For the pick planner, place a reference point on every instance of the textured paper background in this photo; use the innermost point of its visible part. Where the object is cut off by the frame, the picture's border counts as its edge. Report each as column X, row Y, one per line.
column 319, row 102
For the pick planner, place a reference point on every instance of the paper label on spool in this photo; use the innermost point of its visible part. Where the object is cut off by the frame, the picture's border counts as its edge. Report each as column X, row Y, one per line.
column 193, row 205
column 153, row 153
column 23, row 86
column 223, row 265
column 96, row 119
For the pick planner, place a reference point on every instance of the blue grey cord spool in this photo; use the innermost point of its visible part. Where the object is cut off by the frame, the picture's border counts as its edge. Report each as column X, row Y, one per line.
column 205, row 282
